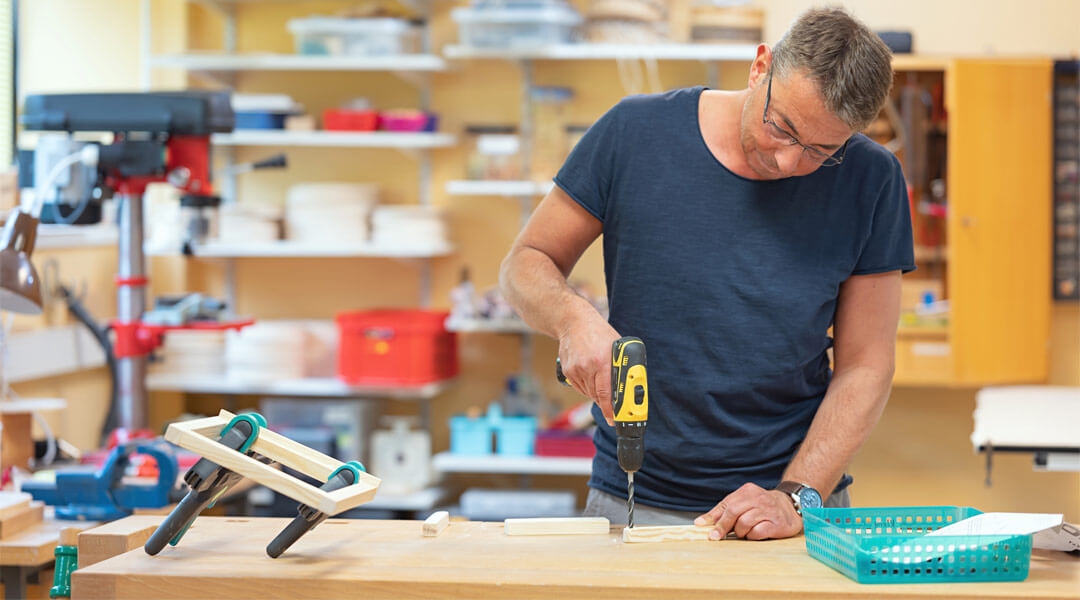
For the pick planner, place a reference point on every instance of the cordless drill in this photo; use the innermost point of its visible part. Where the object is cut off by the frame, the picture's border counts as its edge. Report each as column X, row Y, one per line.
column 630, row 403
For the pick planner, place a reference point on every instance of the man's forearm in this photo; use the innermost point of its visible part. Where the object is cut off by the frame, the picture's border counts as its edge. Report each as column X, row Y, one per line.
column 851, row 408
column 538, row 291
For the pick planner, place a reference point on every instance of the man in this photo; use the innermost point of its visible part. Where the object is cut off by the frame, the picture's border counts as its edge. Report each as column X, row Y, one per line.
column 737, row 228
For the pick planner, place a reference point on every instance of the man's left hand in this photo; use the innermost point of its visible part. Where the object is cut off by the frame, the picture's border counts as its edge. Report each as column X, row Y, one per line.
column 754, row 513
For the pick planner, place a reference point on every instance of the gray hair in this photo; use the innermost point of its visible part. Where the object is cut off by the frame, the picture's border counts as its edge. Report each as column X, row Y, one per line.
column 850, row 64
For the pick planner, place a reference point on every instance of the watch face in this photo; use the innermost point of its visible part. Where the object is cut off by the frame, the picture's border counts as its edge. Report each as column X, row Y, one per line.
column 809, row 498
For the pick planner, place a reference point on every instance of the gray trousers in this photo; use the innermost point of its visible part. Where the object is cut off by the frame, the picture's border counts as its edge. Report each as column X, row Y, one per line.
column 603, row 504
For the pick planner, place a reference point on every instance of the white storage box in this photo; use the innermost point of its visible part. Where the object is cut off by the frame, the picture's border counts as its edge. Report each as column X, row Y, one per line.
column 339, row 36
column 329, row 212
column 496, row 505
column 517, row 25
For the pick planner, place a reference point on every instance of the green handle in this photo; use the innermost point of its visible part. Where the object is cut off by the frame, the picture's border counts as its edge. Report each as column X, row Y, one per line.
column 67, row 560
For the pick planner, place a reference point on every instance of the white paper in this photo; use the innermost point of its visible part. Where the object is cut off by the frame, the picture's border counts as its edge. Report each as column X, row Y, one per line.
column 1064, row 537
column 1054, row 535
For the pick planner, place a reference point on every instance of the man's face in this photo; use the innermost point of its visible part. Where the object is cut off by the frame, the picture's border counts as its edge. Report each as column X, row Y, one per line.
column 794, row 116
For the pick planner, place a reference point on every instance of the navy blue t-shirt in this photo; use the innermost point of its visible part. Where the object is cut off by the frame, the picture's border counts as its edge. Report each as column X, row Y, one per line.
column 732, row 284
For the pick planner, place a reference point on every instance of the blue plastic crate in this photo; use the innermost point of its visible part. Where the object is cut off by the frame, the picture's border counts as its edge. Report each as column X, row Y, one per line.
column 470, row 436
column 888, row 545
column 515, row 436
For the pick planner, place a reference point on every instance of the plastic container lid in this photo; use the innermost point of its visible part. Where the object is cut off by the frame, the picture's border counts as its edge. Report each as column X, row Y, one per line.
column 550, row 15
column 343, row 25
column 274, row 103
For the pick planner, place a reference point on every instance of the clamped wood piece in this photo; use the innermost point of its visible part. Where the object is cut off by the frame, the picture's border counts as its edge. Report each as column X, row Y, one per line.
column 243, row 447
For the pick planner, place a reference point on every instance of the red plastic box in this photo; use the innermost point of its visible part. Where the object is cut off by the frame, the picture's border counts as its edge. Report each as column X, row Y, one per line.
column 395, row 347
column 564, row 443
column 338, row 119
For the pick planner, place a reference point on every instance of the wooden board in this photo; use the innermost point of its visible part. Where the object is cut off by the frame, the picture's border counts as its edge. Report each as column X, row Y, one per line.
column 558, row 526
column 345, row 558
column 192, row 435
column 671, row 533
column 34, row 547
column 30, row 515
column 116, row 538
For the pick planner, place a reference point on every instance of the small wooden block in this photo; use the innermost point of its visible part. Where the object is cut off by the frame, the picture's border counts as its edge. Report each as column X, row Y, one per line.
column 31, row 515
column 436, row 523
column 667, row 533
column 558, row 526
column 115, row 538
column 13, row 503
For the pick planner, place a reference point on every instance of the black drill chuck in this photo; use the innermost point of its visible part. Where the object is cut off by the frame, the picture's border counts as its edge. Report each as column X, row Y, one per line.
column 630, row 444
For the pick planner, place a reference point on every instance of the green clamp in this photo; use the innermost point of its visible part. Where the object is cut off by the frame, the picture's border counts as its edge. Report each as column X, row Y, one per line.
column 67, row 560
column 255, row 420
column 355, row 466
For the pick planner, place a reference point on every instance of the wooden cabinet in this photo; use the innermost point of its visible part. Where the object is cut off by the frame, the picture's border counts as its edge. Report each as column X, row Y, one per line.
column 996, row 247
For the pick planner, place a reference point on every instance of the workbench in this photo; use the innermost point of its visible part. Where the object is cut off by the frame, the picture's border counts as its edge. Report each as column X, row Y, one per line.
column 28, row 553
column 224, row 557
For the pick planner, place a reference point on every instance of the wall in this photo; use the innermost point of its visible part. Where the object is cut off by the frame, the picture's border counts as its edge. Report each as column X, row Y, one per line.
column 920, row 452
column 952, row 27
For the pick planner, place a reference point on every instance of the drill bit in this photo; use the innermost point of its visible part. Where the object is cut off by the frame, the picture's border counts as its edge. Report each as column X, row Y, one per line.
column 630, row 498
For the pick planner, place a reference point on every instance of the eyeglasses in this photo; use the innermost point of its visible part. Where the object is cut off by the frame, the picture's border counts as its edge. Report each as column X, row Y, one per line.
column 781, row 134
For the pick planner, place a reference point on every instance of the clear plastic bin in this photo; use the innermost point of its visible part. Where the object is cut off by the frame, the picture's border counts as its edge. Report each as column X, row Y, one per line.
column 339, row 36
column 517, row 25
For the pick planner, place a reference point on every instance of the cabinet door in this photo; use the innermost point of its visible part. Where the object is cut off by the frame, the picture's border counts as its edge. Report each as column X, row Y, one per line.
column 999, row 186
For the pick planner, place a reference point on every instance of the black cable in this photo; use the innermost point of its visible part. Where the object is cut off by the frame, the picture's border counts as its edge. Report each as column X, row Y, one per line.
column 101, row 334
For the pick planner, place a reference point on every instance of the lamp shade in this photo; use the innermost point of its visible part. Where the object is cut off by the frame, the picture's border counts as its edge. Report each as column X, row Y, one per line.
column 20, row 287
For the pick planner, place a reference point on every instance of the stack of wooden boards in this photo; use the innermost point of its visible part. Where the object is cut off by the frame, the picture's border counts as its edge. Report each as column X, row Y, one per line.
column 28, row 538
column 18, row 512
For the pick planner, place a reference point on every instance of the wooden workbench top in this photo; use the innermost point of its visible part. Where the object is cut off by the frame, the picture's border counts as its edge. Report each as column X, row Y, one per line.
column 225, row 558
column 35, row 546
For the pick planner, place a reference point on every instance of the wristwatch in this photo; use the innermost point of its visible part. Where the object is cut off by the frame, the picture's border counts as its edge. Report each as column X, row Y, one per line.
column 802, row 495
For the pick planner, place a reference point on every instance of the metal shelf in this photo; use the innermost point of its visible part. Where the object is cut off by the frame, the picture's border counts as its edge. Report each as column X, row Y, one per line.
column 50, row 237
column 732, row 52
column 287, row 249
column 322, row 387
column 447, row 462
column 487, row 325
column 334, row 139
column 425, row 499
column 509, row 189
column 297, row 62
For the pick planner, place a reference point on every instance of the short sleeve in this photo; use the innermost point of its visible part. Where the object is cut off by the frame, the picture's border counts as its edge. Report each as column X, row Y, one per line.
column 588, row 172
column 890, row 246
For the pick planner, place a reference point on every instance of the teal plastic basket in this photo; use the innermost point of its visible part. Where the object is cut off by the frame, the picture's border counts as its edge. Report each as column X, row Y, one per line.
column 888, row 545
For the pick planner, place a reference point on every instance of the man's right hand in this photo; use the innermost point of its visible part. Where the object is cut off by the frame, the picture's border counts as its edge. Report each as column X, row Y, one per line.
column 585, row 354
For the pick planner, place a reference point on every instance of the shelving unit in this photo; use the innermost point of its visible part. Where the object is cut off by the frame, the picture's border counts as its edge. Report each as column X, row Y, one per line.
column 999, row 304
column 447, row 462
column 316, row 387
column 418, row 66
column 228, row 67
